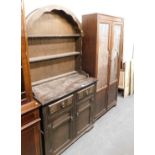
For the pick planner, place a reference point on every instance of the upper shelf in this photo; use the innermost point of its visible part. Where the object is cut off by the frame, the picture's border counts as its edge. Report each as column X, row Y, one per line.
column 54, row 36
column 55, row 56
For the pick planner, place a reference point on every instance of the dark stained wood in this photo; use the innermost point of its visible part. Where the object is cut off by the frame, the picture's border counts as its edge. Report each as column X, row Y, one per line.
column 30, row 132
column 29, row 106
column 113, row 80
column 67, row 119
column 99, row 57
column 58, row 82
column 30, row 118
column 112, row 95
column 28, row 141
column 84, row 115
column 30, row 129
column 24, row 56
column 61, row 86
column 100, row 106
column 89, row 58
column 30, row 113
column 58, row 129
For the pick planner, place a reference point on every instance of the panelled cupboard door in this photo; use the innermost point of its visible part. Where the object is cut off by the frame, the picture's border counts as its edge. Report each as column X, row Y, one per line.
column 103, row 53
column 84, row 115
column 102, row 67
column 59, row 131
column 114, row 63
column 30, row 142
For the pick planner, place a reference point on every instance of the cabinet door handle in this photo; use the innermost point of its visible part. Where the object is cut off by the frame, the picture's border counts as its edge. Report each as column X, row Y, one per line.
column 87, row 92
column 71, row 118
column 92, row 99
column 63, row 105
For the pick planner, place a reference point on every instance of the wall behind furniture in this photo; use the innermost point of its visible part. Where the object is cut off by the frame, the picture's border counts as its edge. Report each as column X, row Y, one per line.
column 120, row 8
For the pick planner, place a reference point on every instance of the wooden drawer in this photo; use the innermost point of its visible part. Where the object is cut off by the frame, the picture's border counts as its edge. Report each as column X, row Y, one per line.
column 29, row 117
column 85, row 92
column 61, row 104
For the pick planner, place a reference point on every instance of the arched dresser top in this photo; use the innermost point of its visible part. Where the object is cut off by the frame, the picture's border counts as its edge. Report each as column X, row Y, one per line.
column 52, row 20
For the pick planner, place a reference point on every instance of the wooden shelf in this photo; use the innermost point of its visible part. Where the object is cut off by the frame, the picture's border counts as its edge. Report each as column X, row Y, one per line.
column 29, row 107
column 53, row 78
column 56, row 56
column 54, row 36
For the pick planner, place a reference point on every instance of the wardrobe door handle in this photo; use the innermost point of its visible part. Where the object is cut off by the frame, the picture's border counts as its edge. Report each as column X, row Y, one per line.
column 77, row 114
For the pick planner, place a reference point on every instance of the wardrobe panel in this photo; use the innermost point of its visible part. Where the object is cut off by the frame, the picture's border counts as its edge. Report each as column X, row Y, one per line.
column 103, row 55
column 115, row 53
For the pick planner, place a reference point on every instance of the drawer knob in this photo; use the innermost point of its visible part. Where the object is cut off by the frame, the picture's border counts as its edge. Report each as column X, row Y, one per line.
column 92, row 99
column 77, row 114
column 87, row 92
column 63, row 105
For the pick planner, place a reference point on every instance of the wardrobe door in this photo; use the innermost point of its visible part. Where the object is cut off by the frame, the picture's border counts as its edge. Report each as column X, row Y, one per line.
column 102, row 67
column 114, row 64
column 103, row 52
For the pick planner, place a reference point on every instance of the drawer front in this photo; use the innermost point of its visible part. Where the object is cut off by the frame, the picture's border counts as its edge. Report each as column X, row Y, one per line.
column 61, row 104
column 29, row 117
column 85, row 92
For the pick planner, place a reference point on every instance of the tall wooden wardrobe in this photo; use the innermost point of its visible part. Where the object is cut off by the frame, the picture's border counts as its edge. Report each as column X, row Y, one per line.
column 102, row 56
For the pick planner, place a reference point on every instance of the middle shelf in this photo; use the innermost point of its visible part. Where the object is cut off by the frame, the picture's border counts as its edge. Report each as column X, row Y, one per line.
column 55, row 56
column 54, row 36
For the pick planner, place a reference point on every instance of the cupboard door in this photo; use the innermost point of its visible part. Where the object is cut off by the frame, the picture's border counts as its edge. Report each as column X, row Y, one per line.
column 59, row 131
column 84, row 115
column 114, row 65
column 115, row 52
column 30, row 140
column 103, row 52
column 102, row 70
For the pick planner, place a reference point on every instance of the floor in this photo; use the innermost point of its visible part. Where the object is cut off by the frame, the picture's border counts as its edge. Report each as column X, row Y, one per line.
column 113, row 133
